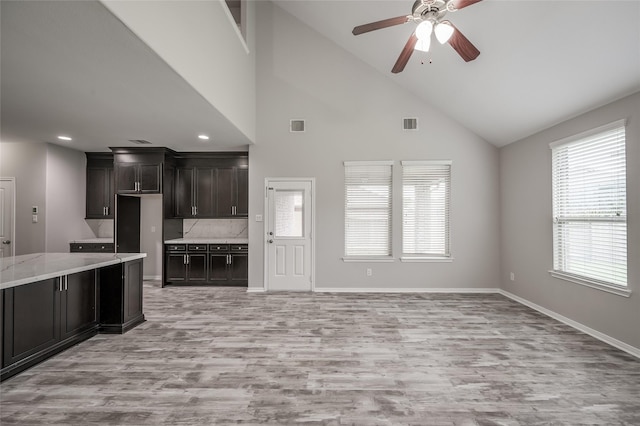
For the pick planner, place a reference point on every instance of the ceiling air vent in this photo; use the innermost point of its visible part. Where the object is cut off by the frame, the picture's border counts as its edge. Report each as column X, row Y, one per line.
column 409, row 124
column 296, row 126
column 140, row 141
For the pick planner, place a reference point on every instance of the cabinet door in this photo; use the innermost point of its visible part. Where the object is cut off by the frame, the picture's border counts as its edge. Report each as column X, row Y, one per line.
column 224, row 192
column 132, row 290
column 110, row 192
column 78, row 303
column 239, row 269
column 218, row 268
column 126, row 178
column 184, row 192
column 97, row 192
column 150, row 178
column 175, row 268
column 197, row 267
column 242, row 191
column 204, row 187
column 31, row 319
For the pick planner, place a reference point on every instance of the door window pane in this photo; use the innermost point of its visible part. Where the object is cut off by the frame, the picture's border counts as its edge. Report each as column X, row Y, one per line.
column 288, row 217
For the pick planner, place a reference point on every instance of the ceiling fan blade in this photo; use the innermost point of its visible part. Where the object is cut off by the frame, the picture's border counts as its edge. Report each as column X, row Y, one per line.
column 385, row 23
column 463, row 46
column 405, row 54
column 460, row 4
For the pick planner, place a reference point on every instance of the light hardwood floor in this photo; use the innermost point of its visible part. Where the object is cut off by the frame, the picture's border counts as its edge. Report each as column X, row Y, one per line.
column 219, row 356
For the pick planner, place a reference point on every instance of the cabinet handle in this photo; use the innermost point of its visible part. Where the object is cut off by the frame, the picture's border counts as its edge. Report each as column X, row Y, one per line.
column 184, row 259
column 196, row 210
column 66, row 283
column 107, row 209
column 187, row 256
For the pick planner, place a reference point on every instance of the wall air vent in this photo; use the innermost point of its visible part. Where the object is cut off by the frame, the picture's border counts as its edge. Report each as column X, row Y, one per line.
column 409, row 124
column 296, row 126
column 140, row 141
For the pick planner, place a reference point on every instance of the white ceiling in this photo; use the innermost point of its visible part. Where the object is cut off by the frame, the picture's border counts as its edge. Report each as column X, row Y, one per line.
column 73, row 68
column 541, row 62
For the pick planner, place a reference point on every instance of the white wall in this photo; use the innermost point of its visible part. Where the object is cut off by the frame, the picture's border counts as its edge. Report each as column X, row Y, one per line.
column 354, row 113
column 65, row 198
column 216, row 63
column 526, row 231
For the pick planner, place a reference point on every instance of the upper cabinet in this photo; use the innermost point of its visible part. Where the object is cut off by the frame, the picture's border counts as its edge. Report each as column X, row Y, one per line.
column 211, row 185
column 100, row 186
column 139, row 170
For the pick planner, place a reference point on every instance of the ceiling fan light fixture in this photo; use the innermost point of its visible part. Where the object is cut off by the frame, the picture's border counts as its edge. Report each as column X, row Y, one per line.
column 423, row 44
column 423, row 30
column 444, row 31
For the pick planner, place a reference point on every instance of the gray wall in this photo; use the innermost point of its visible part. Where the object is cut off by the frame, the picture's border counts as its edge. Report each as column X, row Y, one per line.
column 526, row 227
column 301, row 74
column 27, row 162
column 151, row 235
column 66, row 193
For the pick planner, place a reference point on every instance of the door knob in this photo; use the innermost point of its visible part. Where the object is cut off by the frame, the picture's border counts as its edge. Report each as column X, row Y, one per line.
column 270, row 241
column 270, row 233
column 6, row 242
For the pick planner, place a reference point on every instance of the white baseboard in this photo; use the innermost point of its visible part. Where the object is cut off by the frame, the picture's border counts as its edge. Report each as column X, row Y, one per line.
column 578, row 326
column 403, row 290
column 152, row 277
column 256, row 290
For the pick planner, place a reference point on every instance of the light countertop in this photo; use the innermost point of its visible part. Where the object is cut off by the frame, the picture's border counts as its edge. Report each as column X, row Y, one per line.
column 201, row 240
column 28, row 268
column 93, row 240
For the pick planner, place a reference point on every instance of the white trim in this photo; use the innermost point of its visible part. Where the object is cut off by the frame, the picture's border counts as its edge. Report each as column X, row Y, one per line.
column 483, row 290
column 265, row 268
column 235, row 26
column 425, row 259
column 369, row 163
column 426, row 162
column 587, row 133
column 13, row 225
column 368, row 259
column 609, row 288
column 256, row 290
column 578, row 326
column 151, row 277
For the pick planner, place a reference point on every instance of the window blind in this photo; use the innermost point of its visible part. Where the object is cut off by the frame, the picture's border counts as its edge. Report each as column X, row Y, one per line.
column 426, row 193
column 367, row 208
column 589, row 205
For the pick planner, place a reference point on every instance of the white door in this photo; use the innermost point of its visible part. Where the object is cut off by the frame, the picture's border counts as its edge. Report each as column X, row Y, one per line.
column 7, row 194
column 289, row 233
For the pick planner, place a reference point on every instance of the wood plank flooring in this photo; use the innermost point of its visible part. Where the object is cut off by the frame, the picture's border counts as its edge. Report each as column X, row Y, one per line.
column 221, row 356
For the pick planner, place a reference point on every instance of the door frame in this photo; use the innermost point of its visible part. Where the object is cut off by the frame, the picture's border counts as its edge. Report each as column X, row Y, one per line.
column 265, row 247
column 13, row 217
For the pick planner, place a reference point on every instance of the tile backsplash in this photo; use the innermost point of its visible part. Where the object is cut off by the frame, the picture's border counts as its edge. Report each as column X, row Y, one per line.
column 215, row 228
column 102, row 228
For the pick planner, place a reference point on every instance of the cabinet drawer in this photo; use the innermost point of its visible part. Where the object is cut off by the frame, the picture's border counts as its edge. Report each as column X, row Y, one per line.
column 91, row 247
column 197, row 247
column 239, row 248
column 217, row 248
column 175, row 247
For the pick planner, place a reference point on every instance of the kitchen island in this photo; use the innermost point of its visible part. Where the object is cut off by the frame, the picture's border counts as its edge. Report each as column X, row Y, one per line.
column 51, row 301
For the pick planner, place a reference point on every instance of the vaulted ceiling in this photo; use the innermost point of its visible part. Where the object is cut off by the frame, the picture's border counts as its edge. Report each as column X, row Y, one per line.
column 73, row 65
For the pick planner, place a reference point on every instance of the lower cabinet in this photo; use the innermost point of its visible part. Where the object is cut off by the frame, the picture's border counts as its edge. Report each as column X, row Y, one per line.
column 215, row 264
column 121, row 297
column 45, row 317
column 91, row 248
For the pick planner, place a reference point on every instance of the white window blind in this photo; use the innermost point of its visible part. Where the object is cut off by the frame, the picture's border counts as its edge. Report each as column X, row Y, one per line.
column 367, row 209
column 589, row 205
column 426, row 190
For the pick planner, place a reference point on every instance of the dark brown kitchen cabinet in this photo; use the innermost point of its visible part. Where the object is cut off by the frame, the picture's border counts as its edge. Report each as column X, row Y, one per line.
column 228, row 264
column 138, row 178
column 194, row 192
column 231, row 192
column 121, row 297
column 43, row 318
column 100, row 188
column 186, row 264
column 91, row 247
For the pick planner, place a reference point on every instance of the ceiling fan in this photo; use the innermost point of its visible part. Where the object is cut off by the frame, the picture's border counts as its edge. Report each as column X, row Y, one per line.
column 428, row 14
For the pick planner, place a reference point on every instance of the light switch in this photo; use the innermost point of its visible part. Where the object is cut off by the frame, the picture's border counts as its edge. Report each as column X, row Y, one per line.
column 34, row 218
column 153, row 229
column 258, row 218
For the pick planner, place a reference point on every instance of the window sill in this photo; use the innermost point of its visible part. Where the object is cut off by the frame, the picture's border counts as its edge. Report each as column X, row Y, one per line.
column 368, row 259
column 609, row 288
column 426, row 259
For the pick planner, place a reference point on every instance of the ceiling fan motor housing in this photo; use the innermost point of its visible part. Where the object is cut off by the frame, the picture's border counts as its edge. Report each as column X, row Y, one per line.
column 433, row 10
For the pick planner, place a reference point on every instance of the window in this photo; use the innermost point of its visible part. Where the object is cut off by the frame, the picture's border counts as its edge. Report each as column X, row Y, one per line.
column 426, row 188
column 367, row 209
column 589, row 207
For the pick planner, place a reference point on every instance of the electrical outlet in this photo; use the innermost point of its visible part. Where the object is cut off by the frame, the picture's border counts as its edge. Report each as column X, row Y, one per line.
column 369, row 272
column 512, row 276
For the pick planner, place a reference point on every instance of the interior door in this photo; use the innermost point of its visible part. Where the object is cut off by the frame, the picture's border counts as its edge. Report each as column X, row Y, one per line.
column 289, row 235
column 7, row 197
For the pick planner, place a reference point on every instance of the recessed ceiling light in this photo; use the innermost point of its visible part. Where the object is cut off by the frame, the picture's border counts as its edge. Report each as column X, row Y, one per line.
column 203, row 137
column 64, row 138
